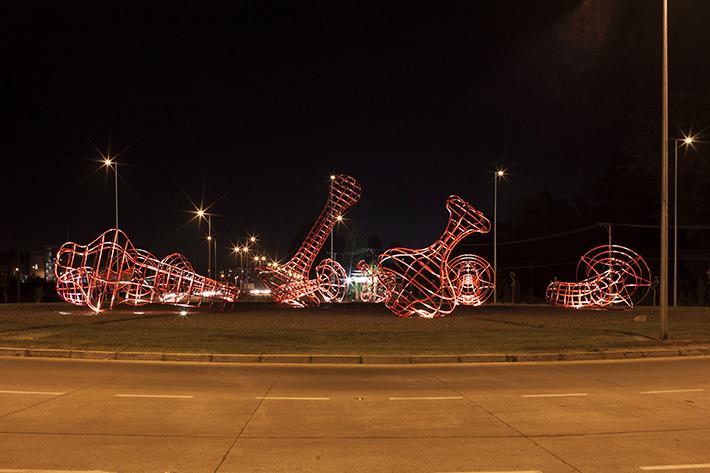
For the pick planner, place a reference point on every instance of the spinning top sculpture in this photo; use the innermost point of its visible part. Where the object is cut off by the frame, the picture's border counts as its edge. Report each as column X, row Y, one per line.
column 614, row 276
column 111, row 271
column 418, row 281
column 289, row 283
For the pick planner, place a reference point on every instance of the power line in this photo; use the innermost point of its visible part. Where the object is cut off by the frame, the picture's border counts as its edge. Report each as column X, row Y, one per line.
column 584, row 229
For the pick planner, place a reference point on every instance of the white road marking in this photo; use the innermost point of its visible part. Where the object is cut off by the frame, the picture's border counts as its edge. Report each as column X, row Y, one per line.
column 673, row 391
column 496, row 471
column 288, row 398
column 52, row 471
column 694, row 466
column 48, row 393
column 425, row 398
column 555, row 395
column 167, row 396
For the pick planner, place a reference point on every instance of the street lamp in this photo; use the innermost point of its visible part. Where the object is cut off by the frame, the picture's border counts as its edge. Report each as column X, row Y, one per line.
column 687, row 141
column 664, row 179
column 339, row 219
column 499, row 174
column 202, row 214
column 111, row 163
column 238, row 250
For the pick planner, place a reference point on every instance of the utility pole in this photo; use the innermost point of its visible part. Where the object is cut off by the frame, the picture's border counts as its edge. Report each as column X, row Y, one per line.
column 17, row 273
column 664, row 184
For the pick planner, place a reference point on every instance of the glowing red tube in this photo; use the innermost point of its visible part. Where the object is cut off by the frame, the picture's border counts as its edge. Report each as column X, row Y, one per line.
column 614, row 276
column 418, row 280
column 289, row 283
column 472, row 278
column 111, row 271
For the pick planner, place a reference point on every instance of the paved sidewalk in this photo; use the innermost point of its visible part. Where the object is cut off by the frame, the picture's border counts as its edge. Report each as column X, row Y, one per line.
column 703, row 350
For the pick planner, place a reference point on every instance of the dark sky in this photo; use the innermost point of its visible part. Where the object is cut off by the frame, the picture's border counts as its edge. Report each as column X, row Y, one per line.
column 255, row 103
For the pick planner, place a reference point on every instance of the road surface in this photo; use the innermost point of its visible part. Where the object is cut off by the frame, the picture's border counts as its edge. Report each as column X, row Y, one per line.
column 109, row 416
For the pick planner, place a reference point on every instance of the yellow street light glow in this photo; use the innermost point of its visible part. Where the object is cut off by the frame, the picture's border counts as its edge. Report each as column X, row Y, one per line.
column 209, row 237
column 339, row 218
column 252, row 239
column 500, row 173
column 688, row 140
column 332, row 177
column 263, row 258
column 108, row 162
column 200, row 213
column 236, row 249
column 256, row 258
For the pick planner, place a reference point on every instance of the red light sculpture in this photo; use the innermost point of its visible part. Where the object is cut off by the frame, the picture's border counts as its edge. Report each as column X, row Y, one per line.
column 418, row 281
column 111, row 271
column 472, row 277
column 611, row 276
column 289, row 283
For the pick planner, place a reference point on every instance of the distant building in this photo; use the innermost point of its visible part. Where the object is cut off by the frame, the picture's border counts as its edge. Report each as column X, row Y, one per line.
column 41, row 263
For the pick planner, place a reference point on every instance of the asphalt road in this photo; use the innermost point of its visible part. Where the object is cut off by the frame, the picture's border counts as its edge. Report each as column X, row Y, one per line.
column 606, row 417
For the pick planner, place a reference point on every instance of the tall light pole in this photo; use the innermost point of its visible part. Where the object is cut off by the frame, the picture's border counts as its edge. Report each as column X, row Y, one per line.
column 111, row 163
column 499, row 173
column 245, row 264
column 209, row 246
column 664, row 183
column 202, row 214
column 330, row 195
column 687, row 141
column 339, row 219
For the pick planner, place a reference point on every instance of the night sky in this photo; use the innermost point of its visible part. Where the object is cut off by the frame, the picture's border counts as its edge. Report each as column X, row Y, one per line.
column 252, row 105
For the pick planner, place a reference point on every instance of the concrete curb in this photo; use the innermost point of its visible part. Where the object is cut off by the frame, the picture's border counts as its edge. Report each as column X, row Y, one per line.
column 356, row 359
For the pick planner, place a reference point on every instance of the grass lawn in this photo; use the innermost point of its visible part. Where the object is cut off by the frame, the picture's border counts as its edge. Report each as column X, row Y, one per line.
column 264, row 328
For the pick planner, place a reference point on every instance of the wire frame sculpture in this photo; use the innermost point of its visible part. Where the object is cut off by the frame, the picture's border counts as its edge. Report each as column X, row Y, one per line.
column 111, row 271
column 418, row 281
column 610, row 276
column 472, row 277
column 289, row 283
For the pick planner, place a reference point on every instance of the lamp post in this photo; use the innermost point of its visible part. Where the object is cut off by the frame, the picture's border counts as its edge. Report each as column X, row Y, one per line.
column 202, row 214
column 340, row 218
column 499, row 173
column 111, row 163
column 664, row 181
column 238, row 251
column 687, row 141
column 245, row 264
